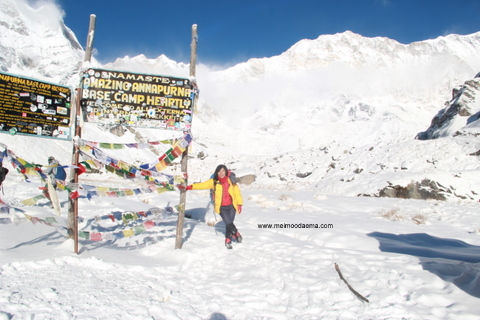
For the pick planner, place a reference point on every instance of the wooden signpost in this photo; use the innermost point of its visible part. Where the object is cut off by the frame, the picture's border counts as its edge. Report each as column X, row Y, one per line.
column 183, row 192
column 73, row 203
column 73, row 200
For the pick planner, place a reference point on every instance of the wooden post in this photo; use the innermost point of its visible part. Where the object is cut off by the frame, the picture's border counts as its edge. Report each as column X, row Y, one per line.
column 193, row 52
column 183, row 193
column 90, row 37
column 73, row 203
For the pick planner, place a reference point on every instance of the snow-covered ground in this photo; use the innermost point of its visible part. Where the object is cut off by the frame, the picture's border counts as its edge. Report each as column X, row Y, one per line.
column 412, row 259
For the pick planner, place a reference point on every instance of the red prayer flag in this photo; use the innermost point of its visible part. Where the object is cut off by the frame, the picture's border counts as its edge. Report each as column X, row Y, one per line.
column 149, row 224
column 81, row 169
column 176, row 152
column 96, row 236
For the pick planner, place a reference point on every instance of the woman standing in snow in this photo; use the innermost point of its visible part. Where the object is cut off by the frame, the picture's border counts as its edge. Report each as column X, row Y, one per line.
column 227, row 200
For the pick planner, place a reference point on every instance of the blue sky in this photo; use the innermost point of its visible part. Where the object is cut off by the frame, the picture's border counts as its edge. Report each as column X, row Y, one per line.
column 235, row 31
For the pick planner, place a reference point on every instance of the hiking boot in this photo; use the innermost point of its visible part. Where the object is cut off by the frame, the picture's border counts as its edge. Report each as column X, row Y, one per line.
column 228, row 243
column 238, row 237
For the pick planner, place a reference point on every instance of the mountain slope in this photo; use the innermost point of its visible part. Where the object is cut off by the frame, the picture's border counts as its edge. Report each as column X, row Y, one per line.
column 354, row 103
column 36, row 43
column 324, row 84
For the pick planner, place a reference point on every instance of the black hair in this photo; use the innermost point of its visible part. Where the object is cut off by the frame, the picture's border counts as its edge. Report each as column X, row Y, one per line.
column 219, row 167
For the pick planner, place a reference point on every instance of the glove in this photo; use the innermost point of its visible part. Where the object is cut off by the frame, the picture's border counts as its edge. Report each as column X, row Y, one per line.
column 239, row 208
column 182, row 187
column 189, row 187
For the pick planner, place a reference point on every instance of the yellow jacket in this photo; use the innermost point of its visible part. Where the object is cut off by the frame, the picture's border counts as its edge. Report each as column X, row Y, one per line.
column 233, row 190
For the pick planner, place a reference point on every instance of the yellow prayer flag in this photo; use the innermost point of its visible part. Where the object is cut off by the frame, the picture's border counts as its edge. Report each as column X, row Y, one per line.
column 179, row 179
column 30, row 171
column 129, row 192
column 123, row 165
column 29, row 202
column 85, row 149
column 160, row 165
column 161, row 189
column 92, row 163
column 128, row 233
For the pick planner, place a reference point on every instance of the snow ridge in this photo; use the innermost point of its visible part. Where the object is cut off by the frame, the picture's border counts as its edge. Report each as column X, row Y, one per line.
column 33, row 45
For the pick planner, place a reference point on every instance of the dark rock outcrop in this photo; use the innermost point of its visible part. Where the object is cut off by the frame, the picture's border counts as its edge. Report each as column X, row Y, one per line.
column 426, row 189
column 461, row 105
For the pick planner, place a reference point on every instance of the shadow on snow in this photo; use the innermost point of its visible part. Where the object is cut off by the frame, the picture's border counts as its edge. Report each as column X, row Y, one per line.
column 164, row 230
column 452, row 260
column 200, row 214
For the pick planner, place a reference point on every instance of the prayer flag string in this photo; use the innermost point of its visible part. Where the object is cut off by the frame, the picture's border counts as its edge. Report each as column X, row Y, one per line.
column 128, row 224
column 115, row 146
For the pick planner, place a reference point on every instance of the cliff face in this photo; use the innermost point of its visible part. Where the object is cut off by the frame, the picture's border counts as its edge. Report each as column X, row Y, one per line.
column 461, row 111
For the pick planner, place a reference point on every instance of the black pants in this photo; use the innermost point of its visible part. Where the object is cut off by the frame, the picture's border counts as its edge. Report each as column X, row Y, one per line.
column 228, row 216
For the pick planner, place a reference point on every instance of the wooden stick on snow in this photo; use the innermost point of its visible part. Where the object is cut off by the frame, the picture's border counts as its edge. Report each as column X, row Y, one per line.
column 349, row 286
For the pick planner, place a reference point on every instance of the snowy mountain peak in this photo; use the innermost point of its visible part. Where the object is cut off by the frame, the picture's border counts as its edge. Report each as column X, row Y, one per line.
column 350, row 43
column 32, row 45
column 350, row 50
column 142, row 64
